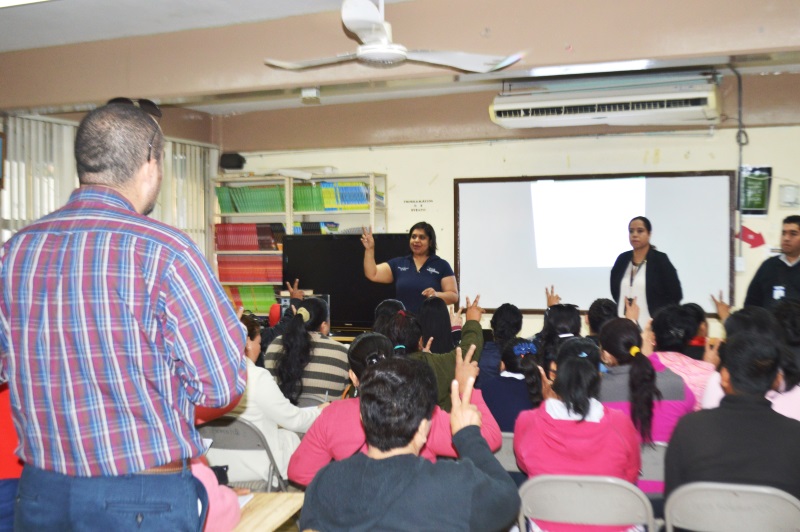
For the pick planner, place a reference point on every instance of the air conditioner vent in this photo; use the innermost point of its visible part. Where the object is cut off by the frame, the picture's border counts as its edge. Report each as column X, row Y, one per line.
column 616, row 107
column 691, row 105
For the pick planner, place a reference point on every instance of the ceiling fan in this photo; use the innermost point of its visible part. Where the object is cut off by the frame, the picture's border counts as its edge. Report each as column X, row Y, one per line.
column 366, row 20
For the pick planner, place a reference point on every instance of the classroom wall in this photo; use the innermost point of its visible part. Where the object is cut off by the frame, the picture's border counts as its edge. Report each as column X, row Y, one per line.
column 421, row 177
column 174, row 67
column 767, row 101
column 178, row 123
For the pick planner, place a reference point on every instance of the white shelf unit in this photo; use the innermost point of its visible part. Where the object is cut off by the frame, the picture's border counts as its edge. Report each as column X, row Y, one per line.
column 375, row 215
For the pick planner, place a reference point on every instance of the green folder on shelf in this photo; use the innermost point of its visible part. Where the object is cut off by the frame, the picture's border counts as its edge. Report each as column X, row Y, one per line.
column 225, row 201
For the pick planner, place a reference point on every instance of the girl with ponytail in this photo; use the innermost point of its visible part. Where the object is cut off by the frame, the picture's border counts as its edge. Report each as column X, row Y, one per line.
column 404, row 331
column 338, row 433
column 366, row 350
column 572, row 433
column 622, row 346
column 652, row 395
column 310, row 367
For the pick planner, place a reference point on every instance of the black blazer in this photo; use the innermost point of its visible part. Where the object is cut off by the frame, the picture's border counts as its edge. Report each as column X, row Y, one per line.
column 661, row 279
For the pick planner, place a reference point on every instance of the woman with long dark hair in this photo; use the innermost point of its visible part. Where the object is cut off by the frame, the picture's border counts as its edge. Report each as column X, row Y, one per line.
column 437, row 328
column 309, row 366
column 265, row 406
column 338, row 433
column 572, row 433
column 417, row 276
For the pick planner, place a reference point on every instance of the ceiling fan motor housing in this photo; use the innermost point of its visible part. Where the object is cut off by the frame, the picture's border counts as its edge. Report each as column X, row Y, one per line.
column 382, row 53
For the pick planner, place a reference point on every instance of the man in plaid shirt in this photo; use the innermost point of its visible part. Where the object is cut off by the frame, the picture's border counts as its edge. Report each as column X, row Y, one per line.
column 112, row 329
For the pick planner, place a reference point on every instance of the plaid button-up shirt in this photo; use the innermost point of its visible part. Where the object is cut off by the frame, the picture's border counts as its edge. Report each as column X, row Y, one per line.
column 112, row 327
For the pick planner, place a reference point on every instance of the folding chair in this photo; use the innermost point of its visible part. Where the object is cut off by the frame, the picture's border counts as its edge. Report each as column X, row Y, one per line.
column 653, row 461
column 718, row 507
column 584, row 500
column 233, row 433
column 505, row 455
column 653, row 455
column 306, row 401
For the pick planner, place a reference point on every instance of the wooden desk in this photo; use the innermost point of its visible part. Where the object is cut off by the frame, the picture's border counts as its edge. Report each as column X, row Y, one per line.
column 268, row 511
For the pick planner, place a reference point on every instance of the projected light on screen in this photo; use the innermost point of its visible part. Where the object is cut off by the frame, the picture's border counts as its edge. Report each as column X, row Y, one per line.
column 581, row 223
column 581, row 227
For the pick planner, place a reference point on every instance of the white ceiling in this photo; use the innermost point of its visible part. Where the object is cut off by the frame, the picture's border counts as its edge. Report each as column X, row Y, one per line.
column 62, row 22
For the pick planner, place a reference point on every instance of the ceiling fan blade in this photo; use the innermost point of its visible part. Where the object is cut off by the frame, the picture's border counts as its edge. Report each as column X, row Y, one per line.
column 299, row 65
column 363, row 18
column 463, row 60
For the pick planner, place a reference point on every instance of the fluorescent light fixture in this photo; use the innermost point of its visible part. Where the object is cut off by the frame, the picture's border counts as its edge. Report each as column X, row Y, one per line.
column 590, row 68
column 12, row 3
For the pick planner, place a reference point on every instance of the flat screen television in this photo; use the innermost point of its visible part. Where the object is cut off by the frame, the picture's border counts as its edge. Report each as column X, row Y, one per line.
column 334, row 265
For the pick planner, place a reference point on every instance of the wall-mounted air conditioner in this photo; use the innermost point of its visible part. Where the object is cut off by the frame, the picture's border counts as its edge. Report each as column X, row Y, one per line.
column 679, row 103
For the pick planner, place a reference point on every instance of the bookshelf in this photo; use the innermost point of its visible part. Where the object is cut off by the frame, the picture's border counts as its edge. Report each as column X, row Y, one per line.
column 249, row 213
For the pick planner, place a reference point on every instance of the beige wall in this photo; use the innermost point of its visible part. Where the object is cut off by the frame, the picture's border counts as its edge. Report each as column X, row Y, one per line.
column 427, row 173
column 177, row 123
column 768, row 100
column 180, row 65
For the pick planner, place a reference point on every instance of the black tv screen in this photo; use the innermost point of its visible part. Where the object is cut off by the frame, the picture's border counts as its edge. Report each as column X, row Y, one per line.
column 334, row 265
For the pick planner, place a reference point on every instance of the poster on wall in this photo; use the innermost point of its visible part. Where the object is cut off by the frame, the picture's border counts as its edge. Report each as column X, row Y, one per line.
column 418, row 205
column 755, row 186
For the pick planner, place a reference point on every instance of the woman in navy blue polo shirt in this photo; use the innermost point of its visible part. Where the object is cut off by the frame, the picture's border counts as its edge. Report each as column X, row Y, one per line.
column 417, row 276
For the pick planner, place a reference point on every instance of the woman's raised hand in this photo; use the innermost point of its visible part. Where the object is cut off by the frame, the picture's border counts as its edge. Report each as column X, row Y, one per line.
column 474, row 312
column 294, row 292
column 466, row 368
column 366, row 238
column 463, row 413
column 456, row 318
column 723, row 309
column 427, row 348
column 552, row 297
column 648, row 339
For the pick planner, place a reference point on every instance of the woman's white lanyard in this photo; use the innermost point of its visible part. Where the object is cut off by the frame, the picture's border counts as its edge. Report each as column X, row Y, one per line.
column 635, row 269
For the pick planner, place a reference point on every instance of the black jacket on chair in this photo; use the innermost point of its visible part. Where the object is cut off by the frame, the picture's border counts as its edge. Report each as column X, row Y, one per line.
column 661, row 279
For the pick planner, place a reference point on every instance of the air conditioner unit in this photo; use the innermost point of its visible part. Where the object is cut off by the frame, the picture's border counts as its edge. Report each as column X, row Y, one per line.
column 680, row 103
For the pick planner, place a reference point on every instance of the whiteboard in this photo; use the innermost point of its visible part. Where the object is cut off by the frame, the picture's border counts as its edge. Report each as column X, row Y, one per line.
column 515, row 236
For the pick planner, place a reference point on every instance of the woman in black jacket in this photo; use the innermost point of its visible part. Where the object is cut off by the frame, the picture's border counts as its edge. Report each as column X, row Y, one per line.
column 644, row 274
